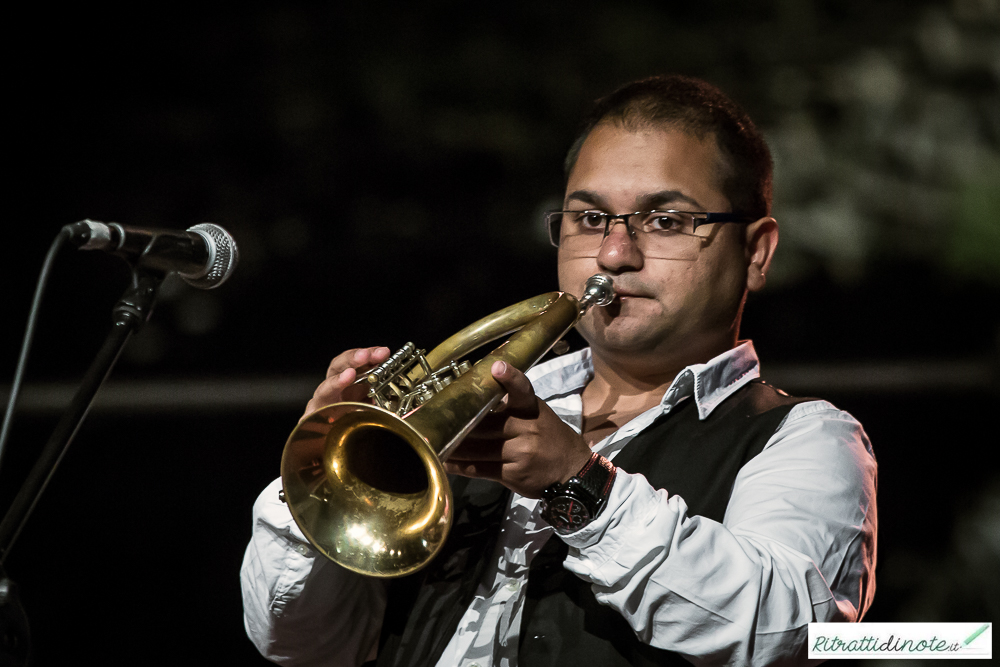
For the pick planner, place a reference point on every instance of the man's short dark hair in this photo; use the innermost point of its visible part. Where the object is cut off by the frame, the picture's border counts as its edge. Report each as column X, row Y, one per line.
column 697, row 108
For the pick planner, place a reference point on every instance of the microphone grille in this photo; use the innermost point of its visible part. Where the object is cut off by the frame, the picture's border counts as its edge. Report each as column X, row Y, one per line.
column 223, row 256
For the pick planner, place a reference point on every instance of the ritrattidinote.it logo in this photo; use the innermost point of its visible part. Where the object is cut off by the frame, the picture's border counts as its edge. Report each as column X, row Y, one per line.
column 901, row 640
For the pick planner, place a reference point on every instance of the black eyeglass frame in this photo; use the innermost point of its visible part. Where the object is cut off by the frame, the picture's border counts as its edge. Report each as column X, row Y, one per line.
column 698, row 218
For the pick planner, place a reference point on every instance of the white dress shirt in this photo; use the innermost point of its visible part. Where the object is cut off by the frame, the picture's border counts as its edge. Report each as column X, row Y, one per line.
column 797, row 545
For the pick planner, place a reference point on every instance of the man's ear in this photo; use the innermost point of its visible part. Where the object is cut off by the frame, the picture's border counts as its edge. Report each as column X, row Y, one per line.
column 760, row 242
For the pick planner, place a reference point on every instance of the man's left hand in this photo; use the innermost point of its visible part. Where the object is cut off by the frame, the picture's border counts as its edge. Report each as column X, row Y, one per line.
column 523, row 444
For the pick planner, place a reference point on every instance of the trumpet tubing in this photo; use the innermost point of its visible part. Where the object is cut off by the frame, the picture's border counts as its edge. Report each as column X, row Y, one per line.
column 367, row 485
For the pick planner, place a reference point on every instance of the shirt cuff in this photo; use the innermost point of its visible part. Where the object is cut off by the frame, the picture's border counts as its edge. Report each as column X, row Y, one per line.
column 605, row 551
column 602, row 537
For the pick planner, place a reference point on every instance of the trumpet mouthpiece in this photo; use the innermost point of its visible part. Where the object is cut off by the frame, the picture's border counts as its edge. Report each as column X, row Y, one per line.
column 598, row 291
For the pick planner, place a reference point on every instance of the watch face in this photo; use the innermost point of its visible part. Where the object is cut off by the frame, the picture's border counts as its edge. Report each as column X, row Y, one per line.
column 567, row 514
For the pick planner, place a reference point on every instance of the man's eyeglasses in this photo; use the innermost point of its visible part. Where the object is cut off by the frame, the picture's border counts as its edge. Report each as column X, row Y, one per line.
column 664, row 233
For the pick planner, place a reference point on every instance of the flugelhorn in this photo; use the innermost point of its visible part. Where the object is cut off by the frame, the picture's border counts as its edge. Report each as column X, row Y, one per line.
column 365, row 482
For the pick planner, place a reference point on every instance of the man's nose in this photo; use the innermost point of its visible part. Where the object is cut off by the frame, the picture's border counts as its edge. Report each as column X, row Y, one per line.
column 619, row 250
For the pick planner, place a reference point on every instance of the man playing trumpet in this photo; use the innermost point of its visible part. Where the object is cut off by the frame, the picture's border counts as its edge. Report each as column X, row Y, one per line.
column 645, row 501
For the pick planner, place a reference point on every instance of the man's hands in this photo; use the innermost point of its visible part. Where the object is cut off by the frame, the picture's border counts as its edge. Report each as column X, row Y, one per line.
column 344, row 369
column 523, row 444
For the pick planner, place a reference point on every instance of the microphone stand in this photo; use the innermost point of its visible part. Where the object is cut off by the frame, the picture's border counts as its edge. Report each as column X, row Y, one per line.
column 129, row 314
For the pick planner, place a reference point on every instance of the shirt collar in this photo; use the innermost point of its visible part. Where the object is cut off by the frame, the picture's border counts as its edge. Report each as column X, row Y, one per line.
column 709, row 383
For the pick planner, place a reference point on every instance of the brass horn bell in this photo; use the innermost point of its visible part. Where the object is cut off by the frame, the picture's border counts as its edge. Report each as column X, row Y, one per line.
column 365, row 483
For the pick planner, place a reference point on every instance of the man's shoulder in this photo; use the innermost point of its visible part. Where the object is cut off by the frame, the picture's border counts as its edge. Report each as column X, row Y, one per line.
column 766, row 396
column 816, row 420
column 801, row 414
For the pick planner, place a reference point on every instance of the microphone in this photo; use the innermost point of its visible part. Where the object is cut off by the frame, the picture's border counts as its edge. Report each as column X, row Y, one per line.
column 204, row 255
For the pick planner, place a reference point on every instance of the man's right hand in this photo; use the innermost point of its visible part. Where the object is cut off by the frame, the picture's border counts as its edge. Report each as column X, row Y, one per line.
column 339, row 383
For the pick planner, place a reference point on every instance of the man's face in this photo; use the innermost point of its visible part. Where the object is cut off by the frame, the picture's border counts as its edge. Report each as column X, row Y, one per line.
column 666, row 305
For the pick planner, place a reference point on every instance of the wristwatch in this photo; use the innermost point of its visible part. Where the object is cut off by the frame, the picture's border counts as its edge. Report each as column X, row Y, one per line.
column 570, row 506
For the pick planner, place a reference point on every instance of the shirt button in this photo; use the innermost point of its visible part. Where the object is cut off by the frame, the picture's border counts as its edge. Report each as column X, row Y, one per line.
column 512, row 586
column 302, row 549
column 473, row 664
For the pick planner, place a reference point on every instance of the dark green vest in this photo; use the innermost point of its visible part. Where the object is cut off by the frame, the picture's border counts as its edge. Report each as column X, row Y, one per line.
column 563, row 624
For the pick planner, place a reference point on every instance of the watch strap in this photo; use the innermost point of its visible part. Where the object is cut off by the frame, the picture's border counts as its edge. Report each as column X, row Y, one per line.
column 596, row 477
column 593, row 482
